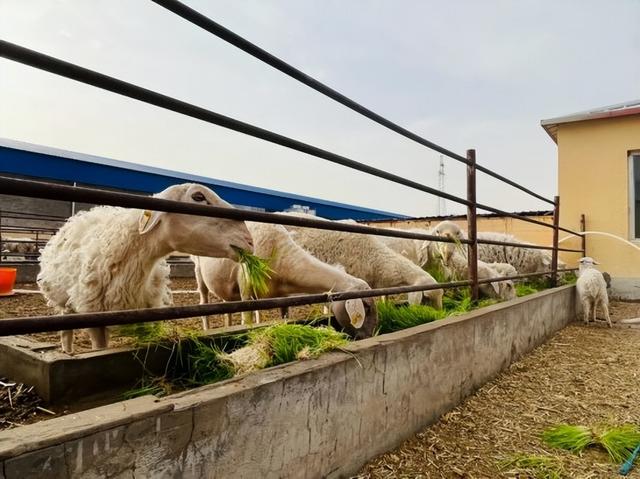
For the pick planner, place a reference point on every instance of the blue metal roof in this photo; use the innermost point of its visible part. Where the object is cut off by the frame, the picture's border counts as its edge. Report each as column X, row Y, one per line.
column 36, row 161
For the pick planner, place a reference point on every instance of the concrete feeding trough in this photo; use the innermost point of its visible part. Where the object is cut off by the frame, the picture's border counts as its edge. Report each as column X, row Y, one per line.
column 319, row 418
column 90, row 376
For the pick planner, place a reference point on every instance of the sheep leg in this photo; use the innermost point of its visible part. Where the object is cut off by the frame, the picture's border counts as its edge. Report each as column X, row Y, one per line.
column 66, row 338
column 247, row 317
column 325, row 310
column 586, row 309
column 284, row 312
column 204, row 294
column 605, row 307
column 99, row 337
column 227, row 319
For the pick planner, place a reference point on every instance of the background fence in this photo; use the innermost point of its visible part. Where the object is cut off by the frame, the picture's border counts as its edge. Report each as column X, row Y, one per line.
column 36, row 189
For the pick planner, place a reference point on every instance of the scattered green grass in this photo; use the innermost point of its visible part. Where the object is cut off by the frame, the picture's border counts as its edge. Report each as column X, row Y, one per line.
column 458, row 301
column 569, row 437
column 288, row 342
column 393, row 318
column 436, row 270
column 146, row 333
column 205, row 365
column 567, row 278
column 256, row 272
column 619, row 442
column 536, row 466
column 153, row 385
column 524, row 289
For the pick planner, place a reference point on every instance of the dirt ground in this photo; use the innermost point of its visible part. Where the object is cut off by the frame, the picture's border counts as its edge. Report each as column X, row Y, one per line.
column 26, row 304
column 588, row 375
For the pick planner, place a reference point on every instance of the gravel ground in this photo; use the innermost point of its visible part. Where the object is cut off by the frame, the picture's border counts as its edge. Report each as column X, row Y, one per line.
column 586, row 375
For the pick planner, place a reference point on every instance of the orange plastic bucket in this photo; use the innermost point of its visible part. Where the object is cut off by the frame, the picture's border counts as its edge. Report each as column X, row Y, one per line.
column 7, row 280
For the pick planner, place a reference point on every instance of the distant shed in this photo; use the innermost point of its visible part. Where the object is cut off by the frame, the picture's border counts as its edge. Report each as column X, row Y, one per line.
column 51, row 164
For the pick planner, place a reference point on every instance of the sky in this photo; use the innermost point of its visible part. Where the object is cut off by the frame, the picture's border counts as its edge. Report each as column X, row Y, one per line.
column 464, row 74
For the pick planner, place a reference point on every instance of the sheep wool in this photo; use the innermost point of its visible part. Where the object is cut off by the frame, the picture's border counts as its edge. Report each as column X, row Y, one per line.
column 96, row 257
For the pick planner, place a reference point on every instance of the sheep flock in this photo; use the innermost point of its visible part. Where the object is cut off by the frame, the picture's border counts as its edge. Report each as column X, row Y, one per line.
column 110, row 258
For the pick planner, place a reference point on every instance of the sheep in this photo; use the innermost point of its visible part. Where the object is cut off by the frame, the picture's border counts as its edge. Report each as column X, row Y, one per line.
column 592, row 290
column 111, row 258
column 503, row 269
column 524, row 260
column 367, row 258
column 424, row 253
column 295, row 271
column 458, row 268
column 23, row 245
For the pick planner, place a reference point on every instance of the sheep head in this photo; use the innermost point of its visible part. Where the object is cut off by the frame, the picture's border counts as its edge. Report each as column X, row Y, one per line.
column 358, row 317
column 196, row 235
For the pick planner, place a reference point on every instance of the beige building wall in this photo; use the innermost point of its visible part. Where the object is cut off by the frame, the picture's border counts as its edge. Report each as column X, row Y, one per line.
column 593, row 177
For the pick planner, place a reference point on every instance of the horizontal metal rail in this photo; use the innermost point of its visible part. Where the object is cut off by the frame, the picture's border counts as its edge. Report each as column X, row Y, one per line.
column 245, row 45
column 36, row 324
column 39, row 189
column 218, row 30
column 69, row 70
column 524, row 245
column 520, row 217
column 29, row 216
column 524, row 276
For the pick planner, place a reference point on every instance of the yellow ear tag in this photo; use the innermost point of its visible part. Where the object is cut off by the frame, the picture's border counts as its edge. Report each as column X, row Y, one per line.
column 355, row 311
column 146, row 216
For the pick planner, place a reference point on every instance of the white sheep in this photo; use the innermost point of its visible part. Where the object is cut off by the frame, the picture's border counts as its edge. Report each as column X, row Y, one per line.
column 503, row 269
column 295, row 271
column 112, row 258
column 367, row 258
column 457, row 268
column 21, row 245
column 425, row 253
column 592, row 290
column 524, row 260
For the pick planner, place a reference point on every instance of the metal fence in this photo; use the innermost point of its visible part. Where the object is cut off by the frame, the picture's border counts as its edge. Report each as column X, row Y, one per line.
column 37, row 189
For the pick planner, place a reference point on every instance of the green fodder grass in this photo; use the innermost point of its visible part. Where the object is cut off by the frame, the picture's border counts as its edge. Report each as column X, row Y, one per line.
column 393, row 318
column 619, row 441
column 146, row 333
column 524, row 289
column 531, row 465
column 458, row 301
column 569, row 437
column 288, row 342
column 256, row 273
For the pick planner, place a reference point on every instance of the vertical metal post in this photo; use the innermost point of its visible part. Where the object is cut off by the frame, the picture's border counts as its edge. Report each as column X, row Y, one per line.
column 472, row 225
column 583, row 228
column 556, row 231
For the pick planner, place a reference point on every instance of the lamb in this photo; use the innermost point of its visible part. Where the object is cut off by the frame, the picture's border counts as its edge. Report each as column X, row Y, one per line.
column 592, row 290
column 295, row 271
column 426, row 253
column 112, row 258
column 457, row 268
column 367, row 258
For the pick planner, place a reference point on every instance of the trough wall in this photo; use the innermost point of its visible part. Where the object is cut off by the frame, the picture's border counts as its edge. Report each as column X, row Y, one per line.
column 311, row 419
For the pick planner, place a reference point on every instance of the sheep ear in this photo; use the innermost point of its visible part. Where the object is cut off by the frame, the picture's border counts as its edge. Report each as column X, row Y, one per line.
column 148, row 220
column 355, row 311
column 496, row 288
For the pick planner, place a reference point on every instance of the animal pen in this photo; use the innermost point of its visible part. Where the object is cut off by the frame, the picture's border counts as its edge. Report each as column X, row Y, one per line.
column 297, row 408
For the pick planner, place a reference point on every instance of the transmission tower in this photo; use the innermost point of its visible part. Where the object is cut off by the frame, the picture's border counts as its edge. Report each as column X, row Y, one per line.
column 442, row 205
